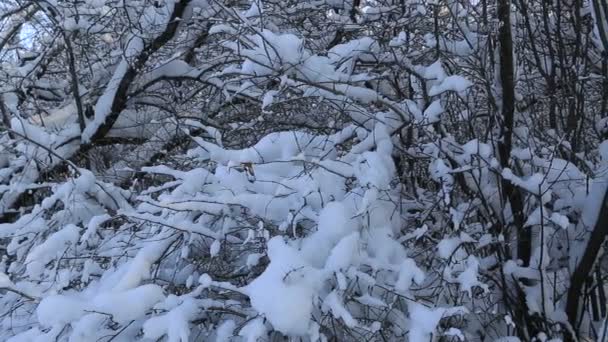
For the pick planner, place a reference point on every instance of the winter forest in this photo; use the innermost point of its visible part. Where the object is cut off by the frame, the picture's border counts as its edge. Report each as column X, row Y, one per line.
column 303, row 170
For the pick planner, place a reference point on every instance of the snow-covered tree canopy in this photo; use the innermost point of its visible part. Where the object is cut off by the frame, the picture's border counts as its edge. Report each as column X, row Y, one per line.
column 311, row 170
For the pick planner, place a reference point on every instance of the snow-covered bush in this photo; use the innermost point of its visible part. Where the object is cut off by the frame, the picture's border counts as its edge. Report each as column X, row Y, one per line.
column 206, row 170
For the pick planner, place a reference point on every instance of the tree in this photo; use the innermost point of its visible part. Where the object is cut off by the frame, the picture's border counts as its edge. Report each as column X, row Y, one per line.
column 317, row 170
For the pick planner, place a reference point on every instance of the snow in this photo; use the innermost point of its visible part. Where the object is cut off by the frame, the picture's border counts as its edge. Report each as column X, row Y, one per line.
column 469, row 277
column 446, row 247
column 253, row 331
column 5, row 281
column 205, row 280
column 71, row 310
column 333, row 303
column 253, row 259
column 334, row 224
column 368, row 300
column 558, row 219
column 283, row 211
column 284, row 292
column 536, row 183
column 264, row 56
column 351, row 49
column 128, row 305
column 521, row 154
column 86, row 327
column 279, row 146
column 222, row 28
column 93, row 225
column 225, row 331
column 269, row 98
column 254, row 10
column 103, row 107
column 423, row 321
column 435, row 72
column 511, row 268
column 174, row 324
column 132, row 274
column 375, row 169
column 53, row 247
column 344, row 254
column 214, row 250
column 409, row 273
column 455, row 332
column 123, row 306
column 432, row 113
column 400, row 40
column 451, row 83
column 57, row 119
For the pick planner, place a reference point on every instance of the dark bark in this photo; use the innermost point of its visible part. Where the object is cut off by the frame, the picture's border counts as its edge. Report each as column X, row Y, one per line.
column 584, row 268
column 75, row 86
column 510, row 192
column 119, row 102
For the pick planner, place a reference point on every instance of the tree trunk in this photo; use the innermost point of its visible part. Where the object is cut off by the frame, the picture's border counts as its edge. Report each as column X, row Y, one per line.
column 585, row 267
column 510, row 192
